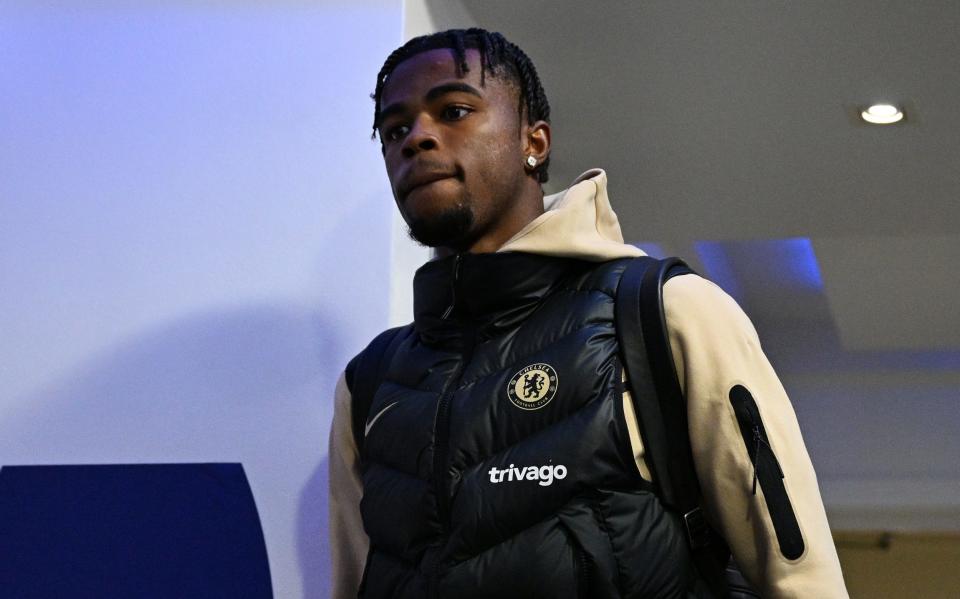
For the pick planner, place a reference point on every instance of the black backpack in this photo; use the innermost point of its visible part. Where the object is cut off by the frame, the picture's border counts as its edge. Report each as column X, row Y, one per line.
column 657, row 399
column 661, row 411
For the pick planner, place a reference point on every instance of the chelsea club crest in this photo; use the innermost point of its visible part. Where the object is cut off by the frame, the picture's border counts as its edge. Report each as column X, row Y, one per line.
column 533, row 387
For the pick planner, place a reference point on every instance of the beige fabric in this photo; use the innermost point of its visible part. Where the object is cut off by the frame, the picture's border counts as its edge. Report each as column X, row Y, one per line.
column 715, row 347
column 633, row 429
column 348, row 542
column 578, row 223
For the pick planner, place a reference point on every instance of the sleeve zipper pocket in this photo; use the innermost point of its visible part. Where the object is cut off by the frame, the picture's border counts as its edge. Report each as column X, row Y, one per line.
column 767, row 471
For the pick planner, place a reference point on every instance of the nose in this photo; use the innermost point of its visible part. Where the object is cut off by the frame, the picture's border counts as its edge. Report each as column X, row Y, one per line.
column 422, row 136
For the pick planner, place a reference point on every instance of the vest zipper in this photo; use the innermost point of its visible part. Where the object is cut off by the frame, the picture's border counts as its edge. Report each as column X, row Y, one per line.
column 441, row 436
column 441, row 431
column 767, row 471
column 457, row 261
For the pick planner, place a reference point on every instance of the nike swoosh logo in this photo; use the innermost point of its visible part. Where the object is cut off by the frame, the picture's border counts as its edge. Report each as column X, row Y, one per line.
column 370, row 423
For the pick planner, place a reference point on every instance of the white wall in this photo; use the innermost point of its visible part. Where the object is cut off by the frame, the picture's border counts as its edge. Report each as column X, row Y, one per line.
column 194, row 230
column 420, row 17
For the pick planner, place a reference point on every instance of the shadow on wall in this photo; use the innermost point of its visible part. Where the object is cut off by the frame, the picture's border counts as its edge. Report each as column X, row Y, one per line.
column 251, row 385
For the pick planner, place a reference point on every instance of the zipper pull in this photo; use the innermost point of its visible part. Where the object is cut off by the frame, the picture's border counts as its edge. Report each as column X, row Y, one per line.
column 456, row 276
column 776, row 462
column 758, row 438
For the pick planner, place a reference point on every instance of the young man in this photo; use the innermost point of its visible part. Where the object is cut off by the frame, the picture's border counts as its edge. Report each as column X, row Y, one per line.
column 500, row 455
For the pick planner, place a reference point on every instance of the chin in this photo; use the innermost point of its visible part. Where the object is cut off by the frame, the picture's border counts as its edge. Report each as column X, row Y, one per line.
column 447, row 228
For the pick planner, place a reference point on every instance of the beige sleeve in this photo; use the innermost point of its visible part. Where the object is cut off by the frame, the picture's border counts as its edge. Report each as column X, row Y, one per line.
column 348, row 541
column 716, row 347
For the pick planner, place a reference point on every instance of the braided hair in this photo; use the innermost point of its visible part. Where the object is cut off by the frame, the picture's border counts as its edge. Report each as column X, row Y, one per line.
column 498, row 56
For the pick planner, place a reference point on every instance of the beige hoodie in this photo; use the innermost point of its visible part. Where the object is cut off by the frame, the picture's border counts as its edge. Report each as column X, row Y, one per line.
column 715, row 347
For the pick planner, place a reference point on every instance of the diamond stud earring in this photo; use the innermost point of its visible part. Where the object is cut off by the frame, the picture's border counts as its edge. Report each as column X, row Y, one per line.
column 531, row 161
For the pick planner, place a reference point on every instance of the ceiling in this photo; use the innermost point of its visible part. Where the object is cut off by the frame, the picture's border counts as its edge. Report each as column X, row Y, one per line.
column 735, row 122
column 730, row 135
column 732, row 120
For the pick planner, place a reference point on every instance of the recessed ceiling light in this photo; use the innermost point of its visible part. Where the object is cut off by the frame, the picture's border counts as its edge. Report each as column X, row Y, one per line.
column 882, row 114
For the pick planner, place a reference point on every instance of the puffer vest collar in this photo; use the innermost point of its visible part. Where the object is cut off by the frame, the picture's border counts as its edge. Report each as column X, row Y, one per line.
column 492, row 292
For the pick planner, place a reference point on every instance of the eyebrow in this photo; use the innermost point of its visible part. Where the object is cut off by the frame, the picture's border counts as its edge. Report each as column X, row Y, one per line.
column 433, row 94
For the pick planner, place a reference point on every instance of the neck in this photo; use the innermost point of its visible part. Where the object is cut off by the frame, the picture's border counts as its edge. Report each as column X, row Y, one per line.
column 527, row 206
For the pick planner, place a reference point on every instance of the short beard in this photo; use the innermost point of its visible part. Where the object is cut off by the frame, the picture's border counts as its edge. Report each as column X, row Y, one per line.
column 449, row 229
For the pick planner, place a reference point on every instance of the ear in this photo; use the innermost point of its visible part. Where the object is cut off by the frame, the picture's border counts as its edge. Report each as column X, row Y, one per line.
column 536, row 141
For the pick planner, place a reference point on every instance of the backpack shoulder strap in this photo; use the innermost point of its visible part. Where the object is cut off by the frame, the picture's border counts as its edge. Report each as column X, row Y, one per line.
column 660, row 405
column 651, row 375
column 366, row 371
column 673, row 405
column 632, row 339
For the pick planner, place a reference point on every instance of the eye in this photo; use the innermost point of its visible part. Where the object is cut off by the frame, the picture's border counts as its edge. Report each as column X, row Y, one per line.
column 455, row 113
column 394, row 133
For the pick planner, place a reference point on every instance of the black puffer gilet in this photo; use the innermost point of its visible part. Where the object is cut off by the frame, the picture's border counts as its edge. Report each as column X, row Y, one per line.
column 441, row 521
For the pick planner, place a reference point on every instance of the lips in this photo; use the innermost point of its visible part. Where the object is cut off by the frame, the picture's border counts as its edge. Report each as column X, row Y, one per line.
column 420, row 179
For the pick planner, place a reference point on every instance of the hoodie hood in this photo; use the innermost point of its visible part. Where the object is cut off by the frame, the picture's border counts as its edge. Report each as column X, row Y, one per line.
column 578, row 222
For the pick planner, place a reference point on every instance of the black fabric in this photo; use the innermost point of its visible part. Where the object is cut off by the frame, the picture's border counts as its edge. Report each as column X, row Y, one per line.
column 442, row 425
column 632, row 337
column 662, row 411
column 767, row 472
column 710, row 552
column 738, row 587
column 685, row 493
column 651, row 373
column 370, row 363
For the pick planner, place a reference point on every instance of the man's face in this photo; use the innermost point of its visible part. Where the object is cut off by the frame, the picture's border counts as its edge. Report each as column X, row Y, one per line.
column 453, row 148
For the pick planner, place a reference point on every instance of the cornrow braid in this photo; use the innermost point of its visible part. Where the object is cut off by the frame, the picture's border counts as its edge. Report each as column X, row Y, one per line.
column 498, row 56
